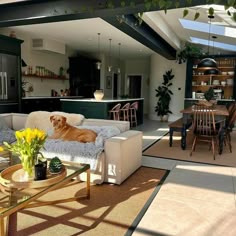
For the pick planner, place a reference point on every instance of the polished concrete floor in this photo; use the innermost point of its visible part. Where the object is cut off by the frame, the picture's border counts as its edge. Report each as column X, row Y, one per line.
column 195, row 199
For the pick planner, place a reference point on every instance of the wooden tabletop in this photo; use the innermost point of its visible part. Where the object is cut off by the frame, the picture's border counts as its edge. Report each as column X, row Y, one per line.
column 220, row 110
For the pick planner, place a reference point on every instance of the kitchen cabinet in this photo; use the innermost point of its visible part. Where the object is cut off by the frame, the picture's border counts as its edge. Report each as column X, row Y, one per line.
column 10, row 74
column 84, row 77
column 223, row 83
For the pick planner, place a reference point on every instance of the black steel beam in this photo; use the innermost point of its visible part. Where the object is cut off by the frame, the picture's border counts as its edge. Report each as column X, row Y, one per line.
column 144, row 34
column 41, row 11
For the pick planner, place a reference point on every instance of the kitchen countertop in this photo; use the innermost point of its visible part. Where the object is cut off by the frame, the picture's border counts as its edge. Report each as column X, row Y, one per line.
column 49, row 97
column 197, row 99
column 103, row 100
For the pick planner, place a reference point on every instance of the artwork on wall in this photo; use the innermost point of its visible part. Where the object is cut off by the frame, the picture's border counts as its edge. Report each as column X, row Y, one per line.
column 108, row 82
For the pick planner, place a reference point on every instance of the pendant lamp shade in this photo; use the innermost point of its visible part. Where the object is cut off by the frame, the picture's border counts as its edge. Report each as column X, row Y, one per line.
column 208, row 63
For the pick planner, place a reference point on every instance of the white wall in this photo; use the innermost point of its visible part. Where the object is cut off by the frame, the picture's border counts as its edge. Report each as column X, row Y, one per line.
column 49, row 60
column 158, row 66
column 139, row 67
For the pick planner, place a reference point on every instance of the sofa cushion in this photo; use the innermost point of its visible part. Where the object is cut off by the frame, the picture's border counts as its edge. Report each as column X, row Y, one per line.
column 41, row 119
column 6, row 134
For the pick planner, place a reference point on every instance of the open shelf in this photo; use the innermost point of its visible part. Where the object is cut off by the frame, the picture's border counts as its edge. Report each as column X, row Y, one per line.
column 56, row 77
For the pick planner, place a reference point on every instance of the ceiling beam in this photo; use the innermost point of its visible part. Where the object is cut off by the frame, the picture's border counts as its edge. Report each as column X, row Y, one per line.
column 41, row 11
column 143, row 34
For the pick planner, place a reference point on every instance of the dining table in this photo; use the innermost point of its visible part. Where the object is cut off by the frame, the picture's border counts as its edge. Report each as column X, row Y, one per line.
column 220, row 113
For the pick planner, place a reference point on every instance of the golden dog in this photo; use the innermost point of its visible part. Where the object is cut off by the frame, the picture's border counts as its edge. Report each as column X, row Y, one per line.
column 64, row 131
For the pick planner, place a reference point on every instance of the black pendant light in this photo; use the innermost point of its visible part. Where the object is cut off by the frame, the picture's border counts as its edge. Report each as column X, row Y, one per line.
column 208, row 63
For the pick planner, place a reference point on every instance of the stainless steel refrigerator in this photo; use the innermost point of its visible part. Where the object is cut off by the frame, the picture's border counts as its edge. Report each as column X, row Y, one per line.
column 9, row 83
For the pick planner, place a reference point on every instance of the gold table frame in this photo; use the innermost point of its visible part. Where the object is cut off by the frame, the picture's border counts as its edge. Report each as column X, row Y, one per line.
column 11, row 211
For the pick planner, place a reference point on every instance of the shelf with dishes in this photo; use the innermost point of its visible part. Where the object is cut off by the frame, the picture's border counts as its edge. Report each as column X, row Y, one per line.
column 55, row 77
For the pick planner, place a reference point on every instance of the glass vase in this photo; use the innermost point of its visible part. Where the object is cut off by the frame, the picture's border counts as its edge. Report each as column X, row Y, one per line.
column 28, row 163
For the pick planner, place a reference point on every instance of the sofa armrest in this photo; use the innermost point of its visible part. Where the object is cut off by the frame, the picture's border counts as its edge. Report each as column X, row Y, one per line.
column 123, row 155
column 15, row 121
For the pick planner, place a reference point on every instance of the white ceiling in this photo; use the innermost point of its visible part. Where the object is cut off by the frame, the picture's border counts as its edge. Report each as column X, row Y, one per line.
column 82, row 34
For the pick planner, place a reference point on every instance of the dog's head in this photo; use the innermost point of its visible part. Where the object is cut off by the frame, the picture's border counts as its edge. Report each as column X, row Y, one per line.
column 58, row 121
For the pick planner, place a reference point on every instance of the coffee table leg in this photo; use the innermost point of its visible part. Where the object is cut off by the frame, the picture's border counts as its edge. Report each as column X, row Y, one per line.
column 12, row 224
column 2, row 227
column 88, row 183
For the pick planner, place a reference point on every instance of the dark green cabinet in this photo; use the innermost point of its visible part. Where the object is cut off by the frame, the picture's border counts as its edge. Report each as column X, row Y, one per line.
column 84, row 77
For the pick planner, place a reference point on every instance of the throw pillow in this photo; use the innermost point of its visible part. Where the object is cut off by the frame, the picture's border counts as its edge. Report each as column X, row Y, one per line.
column 41, row 119
column 3, row 124
column 7, row 135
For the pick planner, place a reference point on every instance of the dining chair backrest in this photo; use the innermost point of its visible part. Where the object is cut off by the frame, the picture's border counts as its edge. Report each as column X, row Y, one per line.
column 204, row 121
column 231, row 108
column 231, row 120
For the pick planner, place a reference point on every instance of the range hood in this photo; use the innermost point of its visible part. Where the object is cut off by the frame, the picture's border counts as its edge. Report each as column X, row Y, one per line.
column 48, row 45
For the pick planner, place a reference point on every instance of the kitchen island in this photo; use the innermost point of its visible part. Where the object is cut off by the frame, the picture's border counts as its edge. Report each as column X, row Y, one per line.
column 92, row 108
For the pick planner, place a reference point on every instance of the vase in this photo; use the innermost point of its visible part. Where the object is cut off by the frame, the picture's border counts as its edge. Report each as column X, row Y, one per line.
column 40, row 171
column 98, row 94
column 28, row 163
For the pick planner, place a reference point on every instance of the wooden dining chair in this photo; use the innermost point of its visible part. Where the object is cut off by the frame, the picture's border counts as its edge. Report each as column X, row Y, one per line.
column 204, row 128
column 227, row 129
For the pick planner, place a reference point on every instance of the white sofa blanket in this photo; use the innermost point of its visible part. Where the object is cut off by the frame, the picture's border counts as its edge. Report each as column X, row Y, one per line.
column 87, row 153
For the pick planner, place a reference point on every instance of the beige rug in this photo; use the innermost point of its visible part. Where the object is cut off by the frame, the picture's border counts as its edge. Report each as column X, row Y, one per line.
column 202, row 153
column 110, row 211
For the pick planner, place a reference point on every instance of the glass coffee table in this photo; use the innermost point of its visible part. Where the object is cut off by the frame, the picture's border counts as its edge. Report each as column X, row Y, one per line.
column 16, row 195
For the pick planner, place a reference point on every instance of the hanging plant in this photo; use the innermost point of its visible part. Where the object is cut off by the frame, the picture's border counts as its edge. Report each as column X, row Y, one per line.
column 189, row 51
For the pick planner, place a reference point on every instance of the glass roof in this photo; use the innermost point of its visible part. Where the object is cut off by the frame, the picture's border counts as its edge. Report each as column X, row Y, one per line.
column 204, row 27
column 224, row 46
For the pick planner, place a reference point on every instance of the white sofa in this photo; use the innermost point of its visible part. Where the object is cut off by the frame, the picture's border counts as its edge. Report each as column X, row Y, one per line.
column 120, row 158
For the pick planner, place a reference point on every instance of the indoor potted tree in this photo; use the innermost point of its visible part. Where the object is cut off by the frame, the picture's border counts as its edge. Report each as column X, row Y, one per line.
column 163, row 93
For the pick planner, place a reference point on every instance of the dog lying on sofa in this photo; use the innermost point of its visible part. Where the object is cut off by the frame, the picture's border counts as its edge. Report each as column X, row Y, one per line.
column 67, row 132
column 118, row 160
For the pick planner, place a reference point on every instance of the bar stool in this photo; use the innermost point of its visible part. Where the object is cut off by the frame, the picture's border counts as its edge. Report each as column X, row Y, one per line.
column 124, row 112
column 133, row 114
column 115, row 112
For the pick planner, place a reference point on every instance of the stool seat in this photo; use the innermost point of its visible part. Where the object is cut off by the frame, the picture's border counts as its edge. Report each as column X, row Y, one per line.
column 115, row 112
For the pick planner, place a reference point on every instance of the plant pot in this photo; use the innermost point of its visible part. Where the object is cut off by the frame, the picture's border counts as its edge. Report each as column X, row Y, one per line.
column 164, row 118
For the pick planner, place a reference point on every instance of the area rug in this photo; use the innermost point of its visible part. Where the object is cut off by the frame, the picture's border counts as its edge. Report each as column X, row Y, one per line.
column 202, row 153
column 110, row 211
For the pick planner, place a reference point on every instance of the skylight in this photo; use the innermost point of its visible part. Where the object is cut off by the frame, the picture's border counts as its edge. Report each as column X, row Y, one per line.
column 204, row 27
column 224, row 46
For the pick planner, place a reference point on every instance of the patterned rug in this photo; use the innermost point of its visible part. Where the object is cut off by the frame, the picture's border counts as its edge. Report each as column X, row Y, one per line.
column 202, row 153
column 111, row 210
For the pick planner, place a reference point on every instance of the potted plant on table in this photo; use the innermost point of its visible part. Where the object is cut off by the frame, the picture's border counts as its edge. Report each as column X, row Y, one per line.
column 27, row 147
column 163, row 93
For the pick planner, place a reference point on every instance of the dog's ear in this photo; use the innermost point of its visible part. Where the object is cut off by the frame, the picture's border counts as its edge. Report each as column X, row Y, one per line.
column 63, row 119
column 51, row 118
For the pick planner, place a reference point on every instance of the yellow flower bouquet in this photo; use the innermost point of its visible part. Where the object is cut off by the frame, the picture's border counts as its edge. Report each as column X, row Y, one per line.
column 27, row 147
